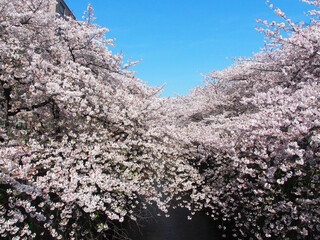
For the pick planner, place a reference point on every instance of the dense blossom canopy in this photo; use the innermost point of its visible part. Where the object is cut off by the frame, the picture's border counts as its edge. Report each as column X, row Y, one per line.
column 81, row 146
column 257, row 128
column 84, row 143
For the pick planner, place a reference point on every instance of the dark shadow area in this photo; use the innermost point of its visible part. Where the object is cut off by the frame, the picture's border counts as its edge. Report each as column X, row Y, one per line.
column 178, row 227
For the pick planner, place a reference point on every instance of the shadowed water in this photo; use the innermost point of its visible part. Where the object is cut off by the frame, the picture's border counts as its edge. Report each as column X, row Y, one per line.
column 178, row 227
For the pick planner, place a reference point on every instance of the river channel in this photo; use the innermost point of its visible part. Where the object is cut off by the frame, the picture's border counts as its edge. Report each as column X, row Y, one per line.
column 178, row 227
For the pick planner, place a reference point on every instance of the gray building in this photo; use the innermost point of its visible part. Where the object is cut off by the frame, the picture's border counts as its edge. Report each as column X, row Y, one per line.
column 59, row 6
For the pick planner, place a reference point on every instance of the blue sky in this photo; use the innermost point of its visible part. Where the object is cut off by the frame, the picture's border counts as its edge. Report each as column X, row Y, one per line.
column 178, row 40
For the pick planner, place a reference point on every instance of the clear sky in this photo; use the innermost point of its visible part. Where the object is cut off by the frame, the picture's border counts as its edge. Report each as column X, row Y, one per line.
column 178, row 40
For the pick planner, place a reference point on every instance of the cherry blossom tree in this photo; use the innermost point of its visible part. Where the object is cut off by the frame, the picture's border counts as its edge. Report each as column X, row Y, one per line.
column 81, row 145
column 84, row 143
column 256, row 129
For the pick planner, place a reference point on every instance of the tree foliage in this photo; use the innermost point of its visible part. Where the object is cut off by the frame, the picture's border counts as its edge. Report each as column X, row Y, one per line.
column 256, row 126
column 81, row 146
column 84, row 143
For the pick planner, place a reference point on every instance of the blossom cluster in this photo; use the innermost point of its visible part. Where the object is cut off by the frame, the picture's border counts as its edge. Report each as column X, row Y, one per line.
column 81, row 147
column 84, row 144
column 256, row 129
